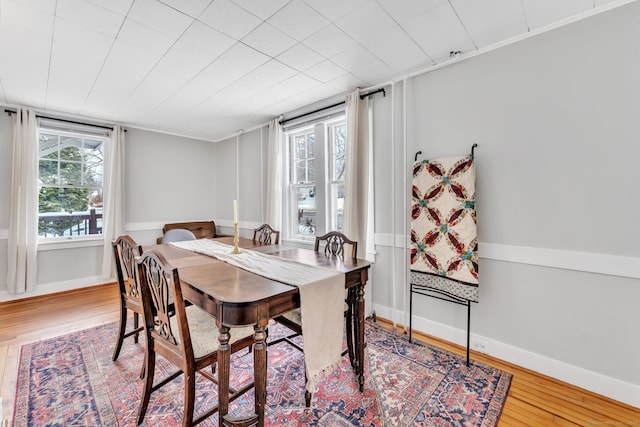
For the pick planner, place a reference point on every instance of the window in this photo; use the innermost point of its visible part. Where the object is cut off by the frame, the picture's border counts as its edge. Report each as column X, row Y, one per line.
column 316, row 177
column 70, row 172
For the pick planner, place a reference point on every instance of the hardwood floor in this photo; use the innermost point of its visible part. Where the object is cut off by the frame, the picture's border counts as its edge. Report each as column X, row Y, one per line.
column 534, row 399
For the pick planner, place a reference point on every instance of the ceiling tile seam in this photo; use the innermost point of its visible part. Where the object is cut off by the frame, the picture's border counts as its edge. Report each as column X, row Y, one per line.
column 329, row 59
column 331, row 22
column 405, row 32
column 163, row 56
column 220, row 90
column 181, row 12
column 270, row 16
column 93, row 85
column 321, row 29
column 462, row 23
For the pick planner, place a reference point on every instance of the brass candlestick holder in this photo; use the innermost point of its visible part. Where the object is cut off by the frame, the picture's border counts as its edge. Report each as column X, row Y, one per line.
column 235, row 239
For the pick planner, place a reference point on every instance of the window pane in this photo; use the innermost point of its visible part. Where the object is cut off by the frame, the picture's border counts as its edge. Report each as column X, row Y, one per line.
column 48, row 146
column 311, row 170
column 299, row 147
column 93, row 175
column 70, row 148
column 70, row 173
column 306, row 205
column 93, row 157
column 301, row 171
column 339, row 141
column 310, row 146
column 337, row 205
column 48, row 172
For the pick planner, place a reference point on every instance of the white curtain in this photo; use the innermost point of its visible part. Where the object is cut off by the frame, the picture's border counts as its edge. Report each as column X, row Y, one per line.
column 358, row 183
column 113, row 197
column 275, row 153
column 22, row 246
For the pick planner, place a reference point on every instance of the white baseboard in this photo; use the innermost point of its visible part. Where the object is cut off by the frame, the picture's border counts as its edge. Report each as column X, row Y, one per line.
column 50, row 288
column 610, row 387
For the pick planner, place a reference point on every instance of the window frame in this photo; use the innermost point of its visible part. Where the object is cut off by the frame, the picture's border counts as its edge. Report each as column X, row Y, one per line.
column 83, row 133
column 324, row 153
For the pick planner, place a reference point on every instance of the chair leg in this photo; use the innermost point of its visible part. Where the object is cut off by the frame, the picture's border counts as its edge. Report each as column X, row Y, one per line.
column 349, row 322
column 150, row 366
column 143, row 371
column 121, row 328
column 189, row 398
column 136, row 324
column 468, row 329
column 410, row 311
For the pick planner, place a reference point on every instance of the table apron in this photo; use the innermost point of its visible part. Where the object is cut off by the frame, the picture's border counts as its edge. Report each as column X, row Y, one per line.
column 258, row 313
column 245, row 314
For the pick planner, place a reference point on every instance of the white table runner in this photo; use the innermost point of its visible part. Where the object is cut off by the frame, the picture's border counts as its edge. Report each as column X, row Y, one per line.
column 321, row 300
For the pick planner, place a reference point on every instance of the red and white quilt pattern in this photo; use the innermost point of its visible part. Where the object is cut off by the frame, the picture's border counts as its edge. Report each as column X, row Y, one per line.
column 444, row 238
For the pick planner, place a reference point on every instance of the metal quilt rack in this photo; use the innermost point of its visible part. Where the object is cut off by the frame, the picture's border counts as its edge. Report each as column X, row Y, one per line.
column 419, row 284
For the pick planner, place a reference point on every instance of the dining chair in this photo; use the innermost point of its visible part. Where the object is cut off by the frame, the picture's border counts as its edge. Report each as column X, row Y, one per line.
column 125, row 249
column 334, row 246
column 188, row 338
column 266, row 235
column 178, row 235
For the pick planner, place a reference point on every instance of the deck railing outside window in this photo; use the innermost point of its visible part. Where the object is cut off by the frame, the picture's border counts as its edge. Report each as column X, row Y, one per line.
column 54, row 224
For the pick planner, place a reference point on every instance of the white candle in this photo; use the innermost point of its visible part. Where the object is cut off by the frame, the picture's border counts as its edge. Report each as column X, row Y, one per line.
column 235, row 211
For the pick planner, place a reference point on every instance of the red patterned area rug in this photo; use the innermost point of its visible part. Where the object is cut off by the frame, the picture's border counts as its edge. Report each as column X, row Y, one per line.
column 71, row 381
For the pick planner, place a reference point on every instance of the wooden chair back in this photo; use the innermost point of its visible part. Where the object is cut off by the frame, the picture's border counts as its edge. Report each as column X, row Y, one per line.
column 334, row 244
column 162, row 297
column 125, row 250
column 266, row 235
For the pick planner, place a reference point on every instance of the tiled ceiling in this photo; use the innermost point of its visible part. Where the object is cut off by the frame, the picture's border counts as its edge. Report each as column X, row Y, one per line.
column 208, row 68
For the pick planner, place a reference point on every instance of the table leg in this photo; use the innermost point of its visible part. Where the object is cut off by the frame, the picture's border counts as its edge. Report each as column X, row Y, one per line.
column 349, row 320
column 360, row 336
column 224, row 361
column 260, row 371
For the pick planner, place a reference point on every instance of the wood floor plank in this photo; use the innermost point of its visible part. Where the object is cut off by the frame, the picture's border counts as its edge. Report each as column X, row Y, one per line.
column 527, row 412
column 562, row 408
column 508, row 420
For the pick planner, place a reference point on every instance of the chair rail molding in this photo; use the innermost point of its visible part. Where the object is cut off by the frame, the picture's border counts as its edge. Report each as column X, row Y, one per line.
column 590, row 262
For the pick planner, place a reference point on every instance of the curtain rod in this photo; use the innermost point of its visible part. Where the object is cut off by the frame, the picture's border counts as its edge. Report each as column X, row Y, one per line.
column 363, row 96
column 10, row 112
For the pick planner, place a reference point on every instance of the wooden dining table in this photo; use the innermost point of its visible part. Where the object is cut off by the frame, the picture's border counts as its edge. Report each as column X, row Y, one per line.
column 236, row 297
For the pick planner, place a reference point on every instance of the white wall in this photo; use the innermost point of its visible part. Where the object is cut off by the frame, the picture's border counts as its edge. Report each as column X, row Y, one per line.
column 169, row 179
column 240, row 169
column 555, row 117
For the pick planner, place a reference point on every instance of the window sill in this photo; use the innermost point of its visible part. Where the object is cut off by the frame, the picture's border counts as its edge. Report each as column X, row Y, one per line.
column 56, row 243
